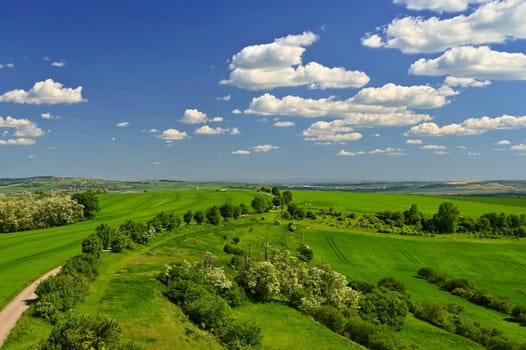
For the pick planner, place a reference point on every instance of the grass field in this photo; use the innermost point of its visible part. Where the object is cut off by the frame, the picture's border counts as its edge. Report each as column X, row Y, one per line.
column 128, row 290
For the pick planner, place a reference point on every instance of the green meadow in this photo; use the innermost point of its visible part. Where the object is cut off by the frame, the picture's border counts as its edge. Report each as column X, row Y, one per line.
column 128, row 289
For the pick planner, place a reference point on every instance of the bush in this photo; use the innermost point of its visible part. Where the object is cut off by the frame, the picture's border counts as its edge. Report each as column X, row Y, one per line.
column 237, row 334
column 92, row 245
column 235, row 295
column 119, row 243
column 390, row 283
column 84, row 333
column 359, row 330
column 47, row 311
column 426, row 273
column 330, row 317
column 84, row 264
column 384, row 307
column 230, row 249
column 362, row 286
column 519, row 313
column 463, row 283
column 306, row 253
column 208, row 312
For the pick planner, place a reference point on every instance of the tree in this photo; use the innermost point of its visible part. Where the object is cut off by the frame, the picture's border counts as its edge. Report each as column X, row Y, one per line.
column 260, row 204
column 275, row 191
column 287, row 197
column 446, row 219
column 227, row 211
column 384, row 307
column 199, row 217
column 213, row 216
column 412, row 216
column 306, row 253
column 105, row 233
column 90, row 202
column 187, row 217
column 92, row 245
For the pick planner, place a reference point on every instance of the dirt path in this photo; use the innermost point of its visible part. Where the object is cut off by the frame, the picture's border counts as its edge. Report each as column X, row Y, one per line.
column 14, row 310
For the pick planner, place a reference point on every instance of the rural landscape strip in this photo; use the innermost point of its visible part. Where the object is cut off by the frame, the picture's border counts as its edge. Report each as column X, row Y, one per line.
column 14, row 310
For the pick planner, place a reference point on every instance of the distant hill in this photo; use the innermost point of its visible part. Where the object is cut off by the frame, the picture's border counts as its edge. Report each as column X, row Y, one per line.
column 13, row 186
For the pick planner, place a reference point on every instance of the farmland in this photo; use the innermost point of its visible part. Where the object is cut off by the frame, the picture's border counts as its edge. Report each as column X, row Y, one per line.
column 128, row 290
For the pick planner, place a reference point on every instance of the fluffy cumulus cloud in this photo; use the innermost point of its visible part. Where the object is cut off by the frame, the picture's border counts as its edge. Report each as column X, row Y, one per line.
column 193, row 116
column 494, row 21
column 465, row 82
column 170, row 135
column 241, row 152
column 519, row 147
column 58, row 64
column 264, row 148
column 474, row 62
column 45, row 92
column 237, row 111
column 392, row 95
column 503, row 143
column 337, row 131
column 390, row 151
column 284, row 124
column 225, row 98
column 354, row 113
column 438, row 5
column 471, row 126
column 278, row 64
column 49, row 116
column 206, row 130
column 18, row 131
column 216, row 119
column 122, row 124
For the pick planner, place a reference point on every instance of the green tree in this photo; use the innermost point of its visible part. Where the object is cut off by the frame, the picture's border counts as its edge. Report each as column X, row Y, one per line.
column 187, row 217
column 446, row 219
column 275, row 191
column 412, row 216
column 89, row 201
column 287, row 197
column 105, row 233
column 384, row 307
column 213, row 215
column 92, row 245
column 199, row 217
column 260, row 204
column 227, row 211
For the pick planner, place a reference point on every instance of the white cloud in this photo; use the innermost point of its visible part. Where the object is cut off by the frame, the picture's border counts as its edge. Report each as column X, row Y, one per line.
column 156, row 163
column 462, row 147
column 474, row 62
column 216, row 119
column 441, row 153
column 493, row 22
column 153, row 130
column 241, row 152
column 433, row 147
column 225, row 98
column 390, row 151
column 31, row 156
column 49, row 116
column 264, row 148
column 284, row 124
column 237, row 111
column 193, row 116
column 336, row 131
column 206, row 130
column 58, row 64
column 474, row 154
column 471, row 126
column 519, row 147
column 23, row 128
column 414, row 142
column 122, row 124
column 392, row 95
column 235, row 131
column 503, row 143
column 113, row 139
column 465, row 82
column 352, row 112
column 438, row 5
column 10, row 65
column 278, row 64
column 19, row 141
column 170, row 135
column 45, row 92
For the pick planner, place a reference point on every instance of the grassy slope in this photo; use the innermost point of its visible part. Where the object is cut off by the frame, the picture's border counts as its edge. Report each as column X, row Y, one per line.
column 142, row 310
column 497, row 266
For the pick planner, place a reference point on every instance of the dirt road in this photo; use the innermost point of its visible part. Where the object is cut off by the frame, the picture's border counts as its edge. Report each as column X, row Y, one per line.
column 14, row 310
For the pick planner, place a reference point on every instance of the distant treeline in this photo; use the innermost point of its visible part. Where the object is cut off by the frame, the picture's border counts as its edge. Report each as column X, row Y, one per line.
column 43, row 210
column 447, row 220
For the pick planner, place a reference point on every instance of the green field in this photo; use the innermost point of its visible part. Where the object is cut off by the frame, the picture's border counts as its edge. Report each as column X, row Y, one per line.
column 128, row 290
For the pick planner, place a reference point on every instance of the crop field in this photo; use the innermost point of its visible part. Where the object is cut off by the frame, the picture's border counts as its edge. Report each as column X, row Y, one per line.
column 128, row 289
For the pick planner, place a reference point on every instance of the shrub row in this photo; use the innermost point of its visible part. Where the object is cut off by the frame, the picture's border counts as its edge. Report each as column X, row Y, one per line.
column 206, row 295
column 450, row 318
column 465, row 288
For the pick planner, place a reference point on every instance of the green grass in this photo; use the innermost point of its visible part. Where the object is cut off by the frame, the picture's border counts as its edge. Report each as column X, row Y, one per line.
column 128, row 291
column 285, row 328
column 497, row 266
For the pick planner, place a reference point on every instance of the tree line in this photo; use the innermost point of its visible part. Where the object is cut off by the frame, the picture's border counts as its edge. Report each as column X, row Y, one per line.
column 43, row 210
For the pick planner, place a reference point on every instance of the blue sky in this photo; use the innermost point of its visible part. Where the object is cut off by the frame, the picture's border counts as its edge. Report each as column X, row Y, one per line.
column 266, row 91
